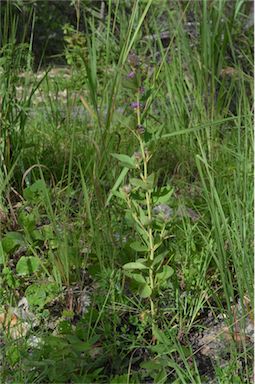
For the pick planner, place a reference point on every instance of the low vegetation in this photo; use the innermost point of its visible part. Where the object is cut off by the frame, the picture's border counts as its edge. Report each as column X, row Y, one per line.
column 126, row 193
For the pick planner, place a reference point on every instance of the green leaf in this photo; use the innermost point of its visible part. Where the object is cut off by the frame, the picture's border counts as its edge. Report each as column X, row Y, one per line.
column 27, row 265
column 2, row 254
column 138, row 247
column 40, row 294
column 47, row 232
column 8, row 276
column 161, row 336
column 134, row 265
column 119, row 180
column 145, row 291
column 155, row 365
column 37, row 235
column 137, row 277
column 13, row 355
column 150, row 180
column 161, row 376
column 158, row 259
column 27, row 220
column 163, row 276
column 77, row 344
column 35, row 191
column 142, row 260
column 144, row 234
column 162, row 195
column 143, row 217
column 151, row 365
column 120, row 194
column 11, row 241
column 120, row 379
column 162, row 349
column 146, row 185
column 131, row 83
column 126, row 161
column 138, row 183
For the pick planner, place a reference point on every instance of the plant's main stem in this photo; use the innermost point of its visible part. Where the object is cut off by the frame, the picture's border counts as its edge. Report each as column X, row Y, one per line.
column 150, row 255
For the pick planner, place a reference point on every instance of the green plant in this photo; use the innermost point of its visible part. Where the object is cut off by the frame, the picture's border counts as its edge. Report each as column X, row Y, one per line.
column 75, row 46
column 124, row 233
column 15, row 58
column 149, row 215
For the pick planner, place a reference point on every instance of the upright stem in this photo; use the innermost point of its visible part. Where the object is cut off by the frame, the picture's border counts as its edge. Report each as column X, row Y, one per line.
column 145, row 158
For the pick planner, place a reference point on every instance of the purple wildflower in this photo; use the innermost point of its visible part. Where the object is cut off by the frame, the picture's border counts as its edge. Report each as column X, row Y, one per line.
column 136, row 105
column 131, row 75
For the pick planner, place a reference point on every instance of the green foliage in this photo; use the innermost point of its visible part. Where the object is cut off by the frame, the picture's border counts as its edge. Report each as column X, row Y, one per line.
column 150, row 222
column 125, row 160
column 61, row 359
column 9, row 279
column 27, row 265
column 38, row 295
column 128, row 184
column 75, row 49
column 35, row 192
column 11, row 241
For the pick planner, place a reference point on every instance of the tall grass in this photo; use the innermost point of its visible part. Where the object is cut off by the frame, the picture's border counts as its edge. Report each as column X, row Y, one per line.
column 16, row 58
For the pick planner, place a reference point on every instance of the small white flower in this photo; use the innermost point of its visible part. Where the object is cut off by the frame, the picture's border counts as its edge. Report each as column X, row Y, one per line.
column 34, row 341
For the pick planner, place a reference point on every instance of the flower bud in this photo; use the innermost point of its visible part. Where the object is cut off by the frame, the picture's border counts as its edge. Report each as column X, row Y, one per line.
column 163, row 211
column 138, row 156
column 136, row 105
column 131, row 75
column 127, row 188
column 140, row 129
column 133, row 60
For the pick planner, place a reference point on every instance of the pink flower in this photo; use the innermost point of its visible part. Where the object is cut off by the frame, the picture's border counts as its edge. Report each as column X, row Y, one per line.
column 131, row 75
column 136, row 105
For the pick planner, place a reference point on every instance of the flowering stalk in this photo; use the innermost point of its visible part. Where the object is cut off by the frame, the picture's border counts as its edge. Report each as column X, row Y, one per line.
column 146, row 158
column 147, row 209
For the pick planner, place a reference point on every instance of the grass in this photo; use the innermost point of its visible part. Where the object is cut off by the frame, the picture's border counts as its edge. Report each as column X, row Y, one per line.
column 118, row 292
